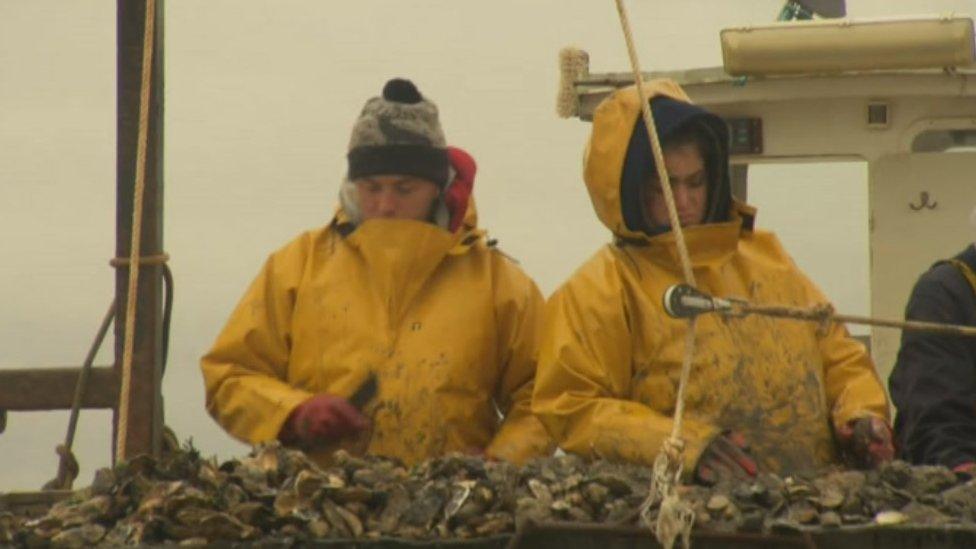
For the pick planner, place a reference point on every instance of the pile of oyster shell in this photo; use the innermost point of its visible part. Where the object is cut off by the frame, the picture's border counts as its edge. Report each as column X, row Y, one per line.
column 897, row 493
column 277, row 494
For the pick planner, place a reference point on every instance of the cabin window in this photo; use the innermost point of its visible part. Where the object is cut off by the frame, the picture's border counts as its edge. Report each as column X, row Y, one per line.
column 820, row 213
column 949, row 141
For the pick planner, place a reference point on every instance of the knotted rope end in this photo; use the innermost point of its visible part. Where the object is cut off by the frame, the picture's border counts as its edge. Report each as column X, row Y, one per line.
column 574, row 64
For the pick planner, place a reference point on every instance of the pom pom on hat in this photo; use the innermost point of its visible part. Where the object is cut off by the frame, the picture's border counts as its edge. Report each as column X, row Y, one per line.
column 401, row 91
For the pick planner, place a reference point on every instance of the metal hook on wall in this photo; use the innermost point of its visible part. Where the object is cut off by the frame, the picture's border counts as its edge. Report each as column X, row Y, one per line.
column 923, row 202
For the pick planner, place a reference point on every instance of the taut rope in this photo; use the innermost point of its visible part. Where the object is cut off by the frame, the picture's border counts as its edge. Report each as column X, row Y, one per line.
column 675, row 517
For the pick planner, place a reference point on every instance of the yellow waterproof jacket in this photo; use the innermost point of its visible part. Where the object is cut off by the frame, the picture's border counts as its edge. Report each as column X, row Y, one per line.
column 610, row 357
column 448, row 325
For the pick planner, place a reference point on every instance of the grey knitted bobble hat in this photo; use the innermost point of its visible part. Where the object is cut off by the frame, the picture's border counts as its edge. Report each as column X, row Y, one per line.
column 399, row 134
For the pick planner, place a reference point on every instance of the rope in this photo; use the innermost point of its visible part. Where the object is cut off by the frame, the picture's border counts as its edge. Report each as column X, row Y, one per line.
column 160, row 259
column 67, row 463
column 119, row 262
column 824, row 314
column 574, row 63
column 662, row 171
column 675, row 517
column 134, row 252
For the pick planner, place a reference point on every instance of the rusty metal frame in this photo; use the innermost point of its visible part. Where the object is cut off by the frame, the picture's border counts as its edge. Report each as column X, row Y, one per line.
column 54, row 388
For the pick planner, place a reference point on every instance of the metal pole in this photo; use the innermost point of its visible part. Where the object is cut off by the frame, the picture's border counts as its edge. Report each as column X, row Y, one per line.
column 684, row 301
column 145, row 408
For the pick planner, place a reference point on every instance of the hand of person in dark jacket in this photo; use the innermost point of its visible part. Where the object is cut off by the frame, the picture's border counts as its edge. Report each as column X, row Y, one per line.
column 866, row 442
column 967, row 468
column 726, row 457
column 322, row 418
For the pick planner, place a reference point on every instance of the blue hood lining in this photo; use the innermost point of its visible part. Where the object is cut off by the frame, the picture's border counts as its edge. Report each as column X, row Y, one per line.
column 639, row 167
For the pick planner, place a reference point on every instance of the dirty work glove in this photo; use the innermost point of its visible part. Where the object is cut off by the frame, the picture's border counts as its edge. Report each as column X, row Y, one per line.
column 726, row 457
column 866, row 442
column 322, row 418
column 966, row 468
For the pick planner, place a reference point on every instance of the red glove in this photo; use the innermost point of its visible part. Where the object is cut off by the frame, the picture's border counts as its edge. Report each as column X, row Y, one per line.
column 866, row 442
column 726, row 457
column 968, row 468
column 322, row 418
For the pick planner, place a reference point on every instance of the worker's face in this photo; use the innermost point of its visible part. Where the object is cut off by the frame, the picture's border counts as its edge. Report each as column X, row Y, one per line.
column 396, row 197
column 689, row 183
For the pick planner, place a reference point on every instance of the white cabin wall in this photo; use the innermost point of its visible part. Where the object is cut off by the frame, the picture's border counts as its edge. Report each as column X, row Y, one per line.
column 826, row 230
column 907, row 242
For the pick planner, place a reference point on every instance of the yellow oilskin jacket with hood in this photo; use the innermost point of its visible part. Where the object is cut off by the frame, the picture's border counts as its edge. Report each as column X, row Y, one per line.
column 610, row 357
column 447, row 324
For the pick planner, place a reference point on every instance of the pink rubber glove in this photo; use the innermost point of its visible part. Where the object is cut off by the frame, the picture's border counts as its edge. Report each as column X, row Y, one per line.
column 322, row 418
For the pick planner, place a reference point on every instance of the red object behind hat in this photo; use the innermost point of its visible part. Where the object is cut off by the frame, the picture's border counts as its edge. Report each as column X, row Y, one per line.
column 458, row 193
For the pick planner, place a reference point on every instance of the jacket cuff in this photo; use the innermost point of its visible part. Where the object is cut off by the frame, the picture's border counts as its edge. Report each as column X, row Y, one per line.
column 285, row 402
column 521, row 439
column 842, row 419
column 697, row 436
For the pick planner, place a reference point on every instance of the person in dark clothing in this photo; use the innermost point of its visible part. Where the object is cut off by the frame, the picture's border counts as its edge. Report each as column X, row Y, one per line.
column 933, row 384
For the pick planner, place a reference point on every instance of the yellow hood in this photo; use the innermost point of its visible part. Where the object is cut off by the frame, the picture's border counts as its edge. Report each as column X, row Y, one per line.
column 603, row 161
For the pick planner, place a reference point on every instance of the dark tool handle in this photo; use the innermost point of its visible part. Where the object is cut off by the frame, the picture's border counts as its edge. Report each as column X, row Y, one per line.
column 365, row 392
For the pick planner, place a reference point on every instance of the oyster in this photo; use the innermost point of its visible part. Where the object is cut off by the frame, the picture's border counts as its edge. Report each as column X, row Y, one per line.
column 887, row 518
column 79, row 536
column 717, row 503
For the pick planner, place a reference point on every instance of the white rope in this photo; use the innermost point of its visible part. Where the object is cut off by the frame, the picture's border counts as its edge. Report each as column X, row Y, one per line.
column 662, row 171
column 675, row 517
column 140, row 184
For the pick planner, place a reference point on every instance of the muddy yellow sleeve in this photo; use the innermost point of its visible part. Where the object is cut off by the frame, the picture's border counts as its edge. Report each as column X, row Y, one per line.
column 245, row 373
column 521, row 435
column 584, row 378
column 851, row 382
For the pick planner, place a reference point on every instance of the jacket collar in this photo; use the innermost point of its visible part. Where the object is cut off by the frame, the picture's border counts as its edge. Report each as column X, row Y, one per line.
column 708, row 245
column 466, row 237
column 968, row 256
